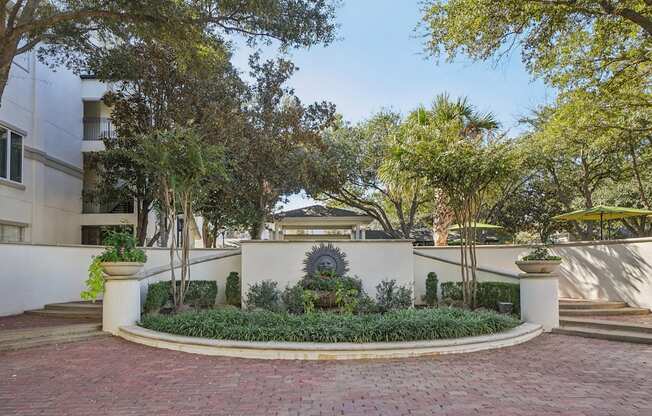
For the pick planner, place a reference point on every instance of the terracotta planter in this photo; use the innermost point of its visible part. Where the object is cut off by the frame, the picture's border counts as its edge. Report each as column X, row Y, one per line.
column 538, row 266
column 121, row 268
column 326, row 299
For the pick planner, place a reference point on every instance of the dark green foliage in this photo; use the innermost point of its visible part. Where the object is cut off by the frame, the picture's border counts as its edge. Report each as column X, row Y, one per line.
column 540, row 253
column 390, row 296
column 122, row 247
column 403, row 325
column 264, row 295
column 200, row 294
column 329, row 283
column 157, row 296
column 489, row 293
column 366, row 305
column 233, row 289
column 293, row 299
column 431, row 289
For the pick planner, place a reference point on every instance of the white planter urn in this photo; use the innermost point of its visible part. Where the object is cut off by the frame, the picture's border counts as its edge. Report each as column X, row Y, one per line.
column 121, row 268
column 538, row 266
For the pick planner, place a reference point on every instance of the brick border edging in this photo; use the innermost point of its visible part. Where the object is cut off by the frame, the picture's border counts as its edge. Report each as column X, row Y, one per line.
column 328, row 351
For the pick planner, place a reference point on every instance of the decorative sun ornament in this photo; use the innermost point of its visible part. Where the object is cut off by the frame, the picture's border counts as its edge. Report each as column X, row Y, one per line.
column 325, row 258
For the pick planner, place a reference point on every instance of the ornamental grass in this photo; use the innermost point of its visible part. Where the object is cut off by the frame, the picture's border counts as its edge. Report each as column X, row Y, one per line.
column 401, row 325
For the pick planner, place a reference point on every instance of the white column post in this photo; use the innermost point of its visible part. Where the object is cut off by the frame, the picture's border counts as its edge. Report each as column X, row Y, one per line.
column 540, row 299
column 364, row 233
column 121, row 303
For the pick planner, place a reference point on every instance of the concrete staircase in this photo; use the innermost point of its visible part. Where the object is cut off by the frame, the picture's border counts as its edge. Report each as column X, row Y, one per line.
column 80, row 310
column 35, row 337
column 582, row 318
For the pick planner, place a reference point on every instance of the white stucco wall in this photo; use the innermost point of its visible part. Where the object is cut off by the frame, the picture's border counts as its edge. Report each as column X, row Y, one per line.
column 46, row 107
column 370, row 260
column 609, row 270
column 34, row 275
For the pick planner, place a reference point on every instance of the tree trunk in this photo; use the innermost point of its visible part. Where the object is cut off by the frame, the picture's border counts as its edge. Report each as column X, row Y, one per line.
column 143, row 221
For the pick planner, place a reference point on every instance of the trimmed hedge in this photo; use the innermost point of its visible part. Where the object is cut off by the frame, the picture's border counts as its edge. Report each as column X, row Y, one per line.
column 431, row 289
column 200, row 294
column 403, row 325
column 233, row 288
column 488, row 295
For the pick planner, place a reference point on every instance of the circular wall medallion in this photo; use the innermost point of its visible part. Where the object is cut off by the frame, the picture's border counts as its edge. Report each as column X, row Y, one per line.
column 325, row 258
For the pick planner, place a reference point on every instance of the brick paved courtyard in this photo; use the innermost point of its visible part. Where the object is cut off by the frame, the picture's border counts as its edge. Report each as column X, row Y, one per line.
column 551, row 375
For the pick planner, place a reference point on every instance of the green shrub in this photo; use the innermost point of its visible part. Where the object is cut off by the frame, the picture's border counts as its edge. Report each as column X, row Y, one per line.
column 346, row 299
column 390, row 296
column 233, row 289
column 329, row 283
column 366, row 305
column 293, row 298
column 157, row 296
column 403, row 325
column 309, row 300
column 121, row 248
column 451, row 290
column 200, row 294
column 488, row 294
column 264, row 295
column 431, row 289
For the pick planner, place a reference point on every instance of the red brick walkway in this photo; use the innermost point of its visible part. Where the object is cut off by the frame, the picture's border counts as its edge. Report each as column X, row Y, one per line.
column 551, row 375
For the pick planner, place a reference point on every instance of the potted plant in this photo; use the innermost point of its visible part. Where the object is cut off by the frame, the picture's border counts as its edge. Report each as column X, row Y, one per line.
column 539, row 260
column 120, row 258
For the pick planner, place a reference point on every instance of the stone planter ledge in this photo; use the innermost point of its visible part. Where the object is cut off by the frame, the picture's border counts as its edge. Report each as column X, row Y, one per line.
column 329, row 351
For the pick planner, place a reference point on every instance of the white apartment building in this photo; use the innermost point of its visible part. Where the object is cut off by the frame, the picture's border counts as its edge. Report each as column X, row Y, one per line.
column 49, row 121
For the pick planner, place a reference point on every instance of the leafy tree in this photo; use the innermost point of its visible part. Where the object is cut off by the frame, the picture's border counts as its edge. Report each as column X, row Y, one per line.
column 69, row 29
column 577, row 162
column 571, row 43
column 180, row 160
column 159, row 86
column 280, row 139
column 462, row 159
column 367, row 178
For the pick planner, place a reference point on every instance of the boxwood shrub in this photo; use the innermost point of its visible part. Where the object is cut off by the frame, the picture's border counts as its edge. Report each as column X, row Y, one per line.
column 401, row 325
column 233, row 288
column 200, row 294
column 488, row 295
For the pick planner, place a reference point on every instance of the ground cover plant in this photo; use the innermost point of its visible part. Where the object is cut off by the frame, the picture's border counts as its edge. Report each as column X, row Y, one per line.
column 402, row 325
column 199, row 294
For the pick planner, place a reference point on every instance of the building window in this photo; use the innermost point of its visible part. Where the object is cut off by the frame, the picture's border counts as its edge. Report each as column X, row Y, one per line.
column 11, row 155
column 11, row 233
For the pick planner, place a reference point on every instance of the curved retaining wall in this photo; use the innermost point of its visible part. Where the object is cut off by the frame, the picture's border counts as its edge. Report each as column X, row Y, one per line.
column 334, row 351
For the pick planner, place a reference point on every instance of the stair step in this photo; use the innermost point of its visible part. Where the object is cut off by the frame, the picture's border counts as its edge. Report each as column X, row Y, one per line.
column 592, row 305
column 603, row 312
column 75, row 306
column 613, row 335
column 49, row 340
column 61, row 330
column 606, row 325
column 92, row 314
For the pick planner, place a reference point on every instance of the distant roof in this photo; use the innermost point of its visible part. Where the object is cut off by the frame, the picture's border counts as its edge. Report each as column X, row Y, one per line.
column 318, row 211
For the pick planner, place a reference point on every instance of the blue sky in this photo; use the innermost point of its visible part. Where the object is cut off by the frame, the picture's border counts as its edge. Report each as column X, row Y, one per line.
column 379, row 63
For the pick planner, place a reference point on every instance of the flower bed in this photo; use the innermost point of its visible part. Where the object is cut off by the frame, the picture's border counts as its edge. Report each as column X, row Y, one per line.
column 402, row 325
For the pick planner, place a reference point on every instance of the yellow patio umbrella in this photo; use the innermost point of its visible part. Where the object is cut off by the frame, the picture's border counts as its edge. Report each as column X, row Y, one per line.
column 602, row 213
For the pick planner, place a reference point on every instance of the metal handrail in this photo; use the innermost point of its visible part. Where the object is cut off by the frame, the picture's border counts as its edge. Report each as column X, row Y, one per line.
column 98, row 128
column 456, row 263
column 147, row 273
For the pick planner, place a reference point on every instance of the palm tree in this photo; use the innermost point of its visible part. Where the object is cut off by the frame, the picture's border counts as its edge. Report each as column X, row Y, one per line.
column 460, row 117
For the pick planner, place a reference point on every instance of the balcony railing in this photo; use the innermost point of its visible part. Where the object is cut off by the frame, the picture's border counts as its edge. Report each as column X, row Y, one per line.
column 123, row 207
column 98, row 128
